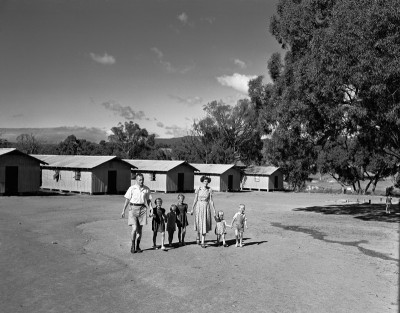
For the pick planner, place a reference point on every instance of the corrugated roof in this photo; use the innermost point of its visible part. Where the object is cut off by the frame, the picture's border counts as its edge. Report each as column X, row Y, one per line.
column 156, row 165
column 4, row 151
column 75, row 161
column 217, row 169
column 260, row 170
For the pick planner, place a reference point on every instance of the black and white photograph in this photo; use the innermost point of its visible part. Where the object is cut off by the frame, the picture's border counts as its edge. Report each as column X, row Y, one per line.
column 199, row 156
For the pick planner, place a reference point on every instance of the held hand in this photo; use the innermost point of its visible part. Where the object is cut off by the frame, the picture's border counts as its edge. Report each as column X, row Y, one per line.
column 123, row 214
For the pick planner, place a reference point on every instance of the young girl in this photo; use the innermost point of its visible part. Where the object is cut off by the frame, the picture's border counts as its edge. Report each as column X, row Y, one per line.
column 241, row 222
column 220, row 228
column 181, row 220
column 158, row 223
column 171, row 223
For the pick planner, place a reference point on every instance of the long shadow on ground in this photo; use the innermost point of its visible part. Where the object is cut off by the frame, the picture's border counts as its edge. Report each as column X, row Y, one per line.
column 365, row 212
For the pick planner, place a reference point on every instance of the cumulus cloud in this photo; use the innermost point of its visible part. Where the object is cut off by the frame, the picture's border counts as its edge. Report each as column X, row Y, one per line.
column 176, row 131
column 240, row 63
column 183, row 17
column 236, row 81
column 123, row 111
column 189, row 101
column 103, row 59
column 159, row 124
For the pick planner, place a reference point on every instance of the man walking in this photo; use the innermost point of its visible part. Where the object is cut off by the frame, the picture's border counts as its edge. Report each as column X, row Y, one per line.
column 138, row 197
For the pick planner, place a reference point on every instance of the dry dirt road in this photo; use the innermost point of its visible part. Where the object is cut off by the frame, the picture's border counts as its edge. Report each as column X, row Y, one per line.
column 303, row 253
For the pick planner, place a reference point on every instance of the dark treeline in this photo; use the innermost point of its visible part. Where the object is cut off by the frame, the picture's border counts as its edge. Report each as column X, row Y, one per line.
column 333, row 106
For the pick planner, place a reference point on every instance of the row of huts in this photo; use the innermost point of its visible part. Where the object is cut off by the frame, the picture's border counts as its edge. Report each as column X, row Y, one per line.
column 22, row 173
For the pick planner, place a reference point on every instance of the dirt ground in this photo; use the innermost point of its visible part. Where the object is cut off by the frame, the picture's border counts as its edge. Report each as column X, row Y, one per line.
column 303, row 253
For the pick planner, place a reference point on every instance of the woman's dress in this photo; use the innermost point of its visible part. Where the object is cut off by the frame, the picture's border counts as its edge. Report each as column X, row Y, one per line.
column 202, row 212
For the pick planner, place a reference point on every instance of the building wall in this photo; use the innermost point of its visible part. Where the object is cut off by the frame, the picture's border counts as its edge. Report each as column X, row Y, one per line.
column 235, row 183
column 167, row 181
column 255, row 182
column 263, row 182
column 100, row 177
column 66, row 180
column 188, row 181
column 28, row 172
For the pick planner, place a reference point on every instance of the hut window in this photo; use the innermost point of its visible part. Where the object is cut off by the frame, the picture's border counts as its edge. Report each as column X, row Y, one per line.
column 57, row 175
column 77, row 175
column 152, row 176
column 256, row 178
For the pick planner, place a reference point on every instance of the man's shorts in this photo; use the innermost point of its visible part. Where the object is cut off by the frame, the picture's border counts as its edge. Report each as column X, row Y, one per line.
column 137, row 215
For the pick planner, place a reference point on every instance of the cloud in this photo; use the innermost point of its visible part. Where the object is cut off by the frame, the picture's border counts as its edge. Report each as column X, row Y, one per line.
column 167, row 65
column 123, row 111
column 183, row 17
column 176, row 131
column 236, row 81
column 159, row 124
column 188, row 101
column 105, row 59
column 240, row 63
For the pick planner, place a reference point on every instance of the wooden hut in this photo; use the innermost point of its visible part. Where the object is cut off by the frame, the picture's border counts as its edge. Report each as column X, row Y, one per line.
column 224, row 177
column 267, row 178
column 164, row 175
column 19, row 172
column 85, row 174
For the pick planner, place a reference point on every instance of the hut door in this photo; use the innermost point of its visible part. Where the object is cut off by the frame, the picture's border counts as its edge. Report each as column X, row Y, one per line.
column 112, row 182
column 181, row 181
column 11, row 187
column 230, row 182
column 276, row 182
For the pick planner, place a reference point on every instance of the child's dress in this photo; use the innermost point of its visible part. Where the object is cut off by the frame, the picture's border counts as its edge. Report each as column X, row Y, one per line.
column 239, row 221
column 171, row 221
column 158, row 223
column 220, row 228
column 181, row 218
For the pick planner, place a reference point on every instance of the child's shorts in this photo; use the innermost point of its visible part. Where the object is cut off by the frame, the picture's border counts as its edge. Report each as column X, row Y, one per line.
column 239, row 228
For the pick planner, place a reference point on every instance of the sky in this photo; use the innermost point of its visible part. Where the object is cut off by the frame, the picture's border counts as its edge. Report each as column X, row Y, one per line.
column 95, row 63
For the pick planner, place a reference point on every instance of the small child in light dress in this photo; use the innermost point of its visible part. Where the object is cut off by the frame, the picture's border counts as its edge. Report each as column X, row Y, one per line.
column 158, row 223
column 220, row 228
column 240, row 221
column 171, row 223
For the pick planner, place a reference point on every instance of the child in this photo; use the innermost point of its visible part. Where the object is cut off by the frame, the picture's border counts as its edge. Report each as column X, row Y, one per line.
column 158, row 223
column 181, row 221
column 388, row 203
column 220, row 228
column 241, row 222
column 171, row 222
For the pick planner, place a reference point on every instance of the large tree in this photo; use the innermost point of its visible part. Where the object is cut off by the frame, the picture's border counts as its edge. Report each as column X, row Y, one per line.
column 131, row 141
column 340, row 76
column 342, row 68
column 225, row 135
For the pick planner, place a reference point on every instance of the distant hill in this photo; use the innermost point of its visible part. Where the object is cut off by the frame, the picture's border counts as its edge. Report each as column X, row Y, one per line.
column 55, row 135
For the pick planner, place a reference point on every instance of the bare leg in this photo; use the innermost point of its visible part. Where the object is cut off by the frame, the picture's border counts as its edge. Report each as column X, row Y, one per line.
column 203, row 239
column 162, row 240
column 138, row 237
column 237, row 237
column 183, row 235
column 198, row 238
column 155, row 239
column 241, row 239
column 133, row 238
column 180, row 234
column 223, row 240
